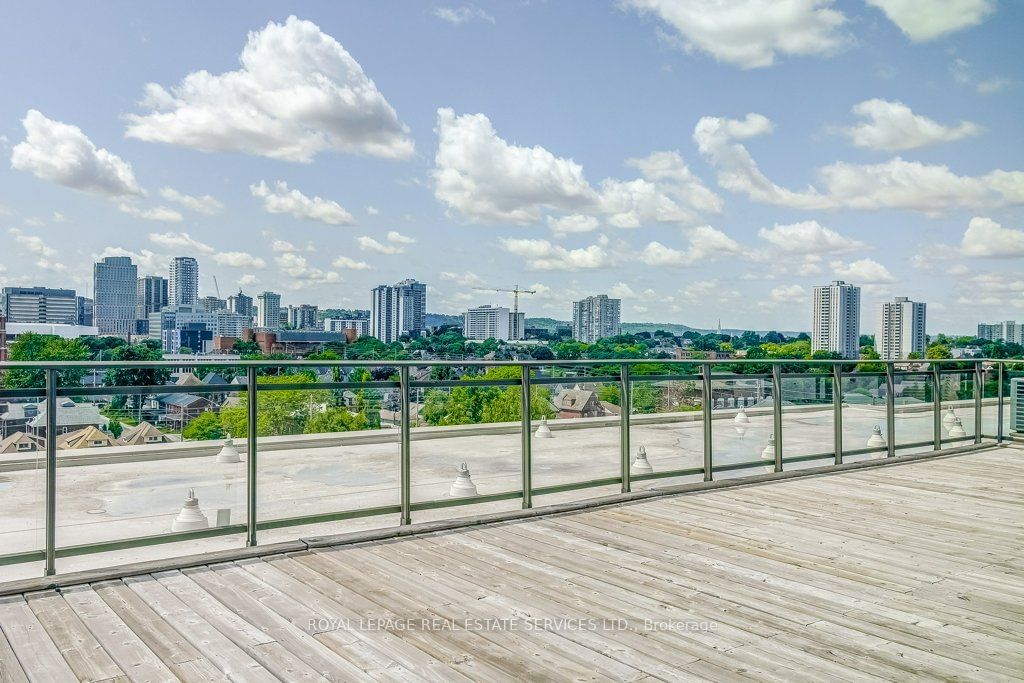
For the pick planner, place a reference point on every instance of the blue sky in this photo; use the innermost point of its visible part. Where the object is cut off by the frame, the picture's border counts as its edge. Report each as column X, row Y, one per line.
column 698, row 163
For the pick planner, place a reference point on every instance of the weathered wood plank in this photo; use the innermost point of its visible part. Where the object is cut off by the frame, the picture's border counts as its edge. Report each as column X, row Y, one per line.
column 76, row 644
column 39, row 657
column 129, row 652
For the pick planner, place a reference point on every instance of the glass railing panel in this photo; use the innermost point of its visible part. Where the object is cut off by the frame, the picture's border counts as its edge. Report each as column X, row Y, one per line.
column 1013, row 401
column 808, row 420
column 466, row 449
column 328, row 450
column 743, row 422
column 135, row 468
column 22, row 476
column 914, row 412
column 576, row 452
column 957, row 395
column 666, row 425
column 864, row 415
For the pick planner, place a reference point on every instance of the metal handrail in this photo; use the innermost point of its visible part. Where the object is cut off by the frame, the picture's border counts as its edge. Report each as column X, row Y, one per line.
column 700, row 371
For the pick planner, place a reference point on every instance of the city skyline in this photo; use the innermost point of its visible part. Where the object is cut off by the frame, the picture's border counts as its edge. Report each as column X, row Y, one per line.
column 696, row 211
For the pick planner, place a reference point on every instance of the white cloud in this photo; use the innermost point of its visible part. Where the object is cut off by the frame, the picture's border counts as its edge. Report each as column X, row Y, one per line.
column 466, row 279
column 788, row 294
column 751, row 33
column 460, row 15
column 282, row 200
column 963, row 74
column 205, row 204
column 808, row 237
column 399, row 238
column 865, row 271
column 573, row 223
column 45, row 254
column 923, row 20
column 621, row 290
column 149, row 262
column 346, row 263
column 247, row 280
column 298, row 268
column 372, row 210
column 706, row 244
column 238, row 259
column 61, row 153
column 892, row 127
column 367, row 243
column 58, row 217
column 298, row 93
column 487, row 179
column 282, row 246
column 157, row 213
column 892, row 184
column 180, row 241
column 543, row 255
column 988, row 239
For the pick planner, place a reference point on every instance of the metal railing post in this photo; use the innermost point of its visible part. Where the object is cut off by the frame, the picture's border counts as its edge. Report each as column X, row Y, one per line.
column 837, row 412
column 405, row 467
column 936, row 407
column 51, row 472
column 777, row 413
column 705, row 371
column 999, row 402
column 625, row 406
column 527, row 446
column 979, row 393
column 890, row 409
column 250, row 443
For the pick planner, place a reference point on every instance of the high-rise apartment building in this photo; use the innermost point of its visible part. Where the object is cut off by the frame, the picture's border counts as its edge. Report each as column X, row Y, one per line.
column 115, row 282
column 152, row 295
column 836, row 319
column 900, row 329
column 85, row 305
column 268, row 311
column 213, row 303
column 193, row 327
column 497, row 322
column 596, row 317
column 360, row 325
column 1007, row 331
column 40, row 305
column 397, row 310
column 241, row 304
column 303, row 317
column 183, row 281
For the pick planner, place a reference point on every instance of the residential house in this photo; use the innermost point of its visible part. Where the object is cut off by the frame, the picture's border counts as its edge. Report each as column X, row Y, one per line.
column 20, row 442
column 574, row 403
column 143, row 434
column 88, row 437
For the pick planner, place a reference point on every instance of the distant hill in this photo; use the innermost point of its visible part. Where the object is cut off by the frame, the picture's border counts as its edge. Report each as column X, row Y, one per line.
column 549, row 324
column 674, row 328
column 438, row 319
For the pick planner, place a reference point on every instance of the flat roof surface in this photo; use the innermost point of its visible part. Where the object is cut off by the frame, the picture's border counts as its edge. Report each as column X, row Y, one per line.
column 901, row 572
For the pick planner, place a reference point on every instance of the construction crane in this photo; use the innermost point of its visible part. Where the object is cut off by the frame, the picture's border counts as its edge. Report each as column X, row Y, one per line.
column 515, row 291
column 216, row 286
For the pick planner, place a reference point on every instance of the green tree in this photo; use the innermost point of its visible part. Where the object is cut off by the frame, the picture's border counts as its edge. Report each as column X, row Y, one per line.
column 115, row 428
column 335, row 420
column 205, row 426
column 246, row 348
column 135, row 377
column 43, row 347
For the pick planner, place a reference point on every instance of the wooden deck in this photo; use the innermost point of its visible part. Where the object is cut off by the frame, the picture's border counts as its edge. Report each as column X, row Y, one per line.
column 909, row 572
